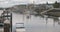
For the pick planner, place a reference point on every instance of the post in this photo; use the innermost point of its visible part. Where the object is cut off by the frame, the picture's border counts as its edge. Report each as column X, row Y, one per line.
column 7, row 15
column 11, row 22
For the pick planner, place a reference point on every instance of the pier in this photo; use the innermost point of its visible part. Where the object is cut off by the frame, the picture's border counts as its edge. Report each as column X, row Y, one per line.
column 52, row 12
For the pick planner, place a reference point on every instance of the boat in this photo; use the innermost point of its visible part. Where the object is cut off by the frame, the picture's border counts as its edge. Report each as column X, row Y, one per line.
column 20, row 27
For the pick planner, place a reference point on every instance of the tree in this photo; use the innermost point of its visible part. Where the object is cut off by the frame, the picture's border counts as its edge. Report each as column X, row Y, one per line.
column 56, row 5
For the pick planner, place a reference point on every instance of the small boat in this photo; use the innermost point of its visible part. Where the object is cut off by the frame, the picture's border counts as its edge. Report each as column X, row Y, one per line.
column 20, row 27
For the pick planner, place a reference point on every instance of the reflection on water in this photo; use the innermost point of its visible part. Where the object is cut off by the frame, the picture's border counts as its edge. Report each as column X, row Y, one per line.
column 37, row 24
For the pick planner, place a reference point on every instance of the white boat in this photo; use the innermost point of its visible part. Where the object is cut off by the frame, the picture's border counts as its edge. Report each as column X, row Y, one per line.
column 20, row 27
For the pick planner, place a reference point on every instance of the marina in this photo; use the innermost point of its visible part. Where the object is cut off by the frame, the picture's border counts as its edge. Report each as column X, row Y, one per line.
column 29, row 17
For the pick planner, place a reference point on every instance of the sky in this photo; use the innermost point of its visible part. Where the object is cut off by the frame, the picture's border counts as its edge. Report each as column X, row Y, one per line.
column 9, row 3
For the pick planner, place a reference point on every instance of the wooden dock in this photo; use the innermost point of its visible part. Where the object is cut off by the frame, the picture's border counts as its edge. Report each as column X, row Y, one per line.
column 52, row 12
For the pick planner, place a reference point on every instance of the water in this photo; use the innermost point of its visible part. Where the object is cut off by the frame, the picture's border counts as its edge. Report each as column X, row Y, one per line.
column 36, row 24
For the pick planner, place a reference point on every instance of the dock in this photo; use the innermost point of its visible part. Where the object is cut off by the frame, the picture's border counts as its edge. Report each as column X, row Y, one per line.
column 52, row 12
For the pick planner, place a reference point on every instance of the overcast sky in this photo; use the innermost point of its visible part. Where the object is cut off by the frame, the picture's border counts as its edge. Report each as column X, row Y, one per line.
column 8, row 3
